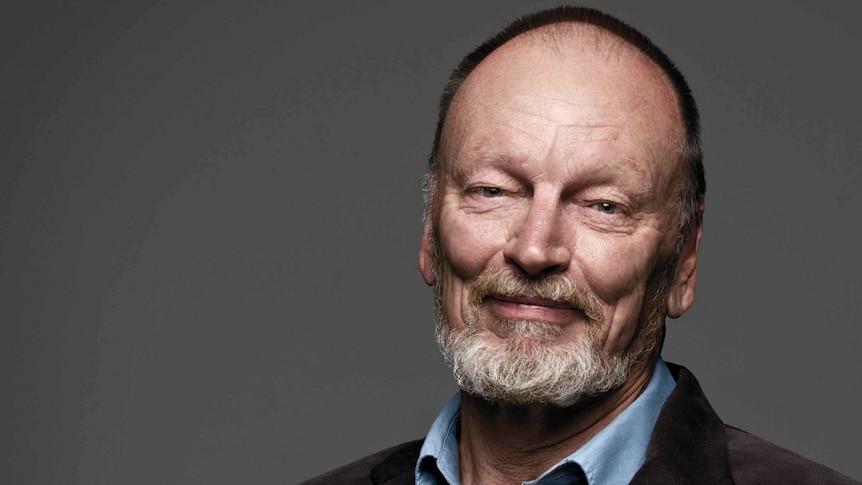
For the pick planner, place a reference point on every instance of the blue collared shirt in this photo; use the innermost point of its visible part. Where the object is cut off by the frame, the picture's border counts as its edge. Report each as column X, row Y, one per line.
column 610, row 457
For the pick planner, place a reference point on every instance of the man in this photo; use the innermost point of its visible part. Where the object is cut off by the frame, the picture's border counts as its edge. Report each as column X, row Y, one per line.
column 565, row 197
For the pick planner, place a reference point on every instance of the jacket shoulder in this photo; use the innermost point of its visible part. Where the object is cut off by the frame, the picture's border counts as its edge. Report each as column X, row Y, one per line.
column 755, row 460
column 373, row 469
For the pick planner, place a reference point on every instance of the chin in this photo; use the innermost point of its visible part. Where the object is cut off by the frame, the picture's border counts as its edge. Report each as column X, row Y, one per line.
column 526, row 364
column 525, row 334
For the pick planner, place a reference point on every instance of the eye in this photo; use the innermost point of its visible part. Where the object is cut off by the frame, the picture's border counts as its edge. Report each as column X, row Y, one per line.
column 607, row 207
column 491, row 191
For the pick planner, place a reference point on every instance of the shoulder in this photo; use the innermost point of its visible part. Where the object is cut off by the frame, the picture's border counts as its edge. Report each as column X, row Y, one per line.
column 376, row 468
column 692, row 443
column 755, row 460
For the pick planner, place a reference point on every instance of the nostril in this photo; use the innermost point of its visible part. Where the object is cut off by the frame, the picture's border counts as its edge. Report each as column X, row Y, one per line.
column 539, row 261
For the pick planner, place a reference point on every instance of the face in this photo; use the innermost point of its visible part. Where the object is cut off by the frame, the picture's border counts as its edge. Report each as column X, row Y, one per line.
column 552, row 238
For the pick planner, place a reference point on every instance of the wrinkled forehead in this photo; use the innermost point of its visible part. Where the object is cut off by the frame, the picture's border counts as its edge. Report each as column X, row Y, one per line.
column 548, row 73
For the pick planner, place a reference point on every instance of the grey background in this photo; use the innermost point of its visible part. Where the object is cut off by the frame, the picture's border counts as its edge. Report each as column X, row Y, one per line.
column 209, row 215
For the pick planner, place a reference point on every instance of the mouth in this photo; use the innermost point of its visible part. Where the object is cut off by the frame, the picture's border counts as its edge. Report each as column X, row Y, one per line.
column 531, row 301
column 530, row 308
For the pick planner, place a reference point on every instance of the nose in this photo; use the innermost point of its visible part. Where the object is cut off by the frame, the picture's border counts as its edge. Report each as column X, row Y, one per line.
column 538, row 243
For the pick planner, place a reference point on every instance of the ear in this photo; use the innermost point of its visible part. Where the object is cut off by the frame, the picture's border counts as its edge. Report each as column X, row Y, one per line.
column 426, row 256
column 682, row 286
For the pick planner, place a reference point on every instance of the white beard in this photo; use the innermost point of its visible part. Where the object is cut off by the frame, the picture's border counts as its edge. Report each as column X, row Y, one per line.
column 522, row 363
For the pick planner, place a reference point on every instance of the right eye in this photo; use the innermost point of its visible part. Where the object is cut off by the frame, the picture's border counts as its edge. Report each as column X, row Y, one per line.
column 606, row 207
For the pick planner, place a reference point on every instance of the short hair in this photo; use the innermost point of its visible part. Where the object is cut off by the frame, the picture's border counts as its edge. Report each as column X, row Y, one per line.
column 693, row 186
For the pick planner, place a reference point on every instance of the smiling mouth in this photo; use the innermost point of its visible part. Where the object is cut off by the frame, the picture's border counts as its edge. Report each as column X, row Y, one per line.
column 531, row 308
column 532, row 301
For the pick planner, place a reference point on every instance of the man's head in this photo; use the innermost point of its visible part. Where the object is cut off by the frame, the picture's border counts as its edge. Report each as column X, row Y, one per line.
column 564, row 199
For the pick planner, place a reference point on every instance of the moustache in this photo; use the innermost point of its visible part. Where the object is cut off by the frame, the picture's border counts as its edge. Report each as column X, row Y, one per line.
column 555, row 287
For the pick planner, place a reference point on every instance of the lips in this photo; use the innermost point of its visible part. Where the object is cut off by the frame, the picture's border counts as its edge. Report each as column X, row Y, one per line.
column 533, row 301
column 530, row 308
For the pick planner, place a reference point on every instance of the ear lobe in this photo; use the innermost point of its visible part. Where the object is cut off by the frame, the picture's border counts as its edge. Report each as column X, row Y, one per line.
column 426, row 256
column 682, row 287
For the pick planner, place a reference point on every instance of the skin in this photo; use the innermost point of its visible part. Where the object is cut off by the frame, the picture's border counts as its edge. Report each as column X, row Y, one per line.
column 558, row 159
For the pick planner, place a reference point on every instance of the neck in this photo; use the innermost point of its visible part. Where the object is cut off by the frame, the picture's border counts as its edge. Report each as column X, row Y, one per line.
column 503, row 443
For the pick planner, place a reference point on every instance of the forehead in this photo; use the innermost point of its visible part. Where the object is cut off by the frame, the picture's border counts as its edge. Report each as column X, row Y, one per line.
column 587, row 88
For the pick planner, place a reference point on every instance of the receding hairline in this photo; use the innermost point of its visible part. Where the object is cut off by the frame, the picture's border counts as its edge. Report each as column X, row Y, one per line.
column 612, row 37
column 559, row 34
column 572, row 42
column 571, row 35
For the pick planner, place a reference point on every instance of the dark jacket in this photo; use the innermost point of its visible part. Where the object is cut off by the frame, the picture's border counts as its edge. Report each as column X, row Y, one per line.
column 689, row 444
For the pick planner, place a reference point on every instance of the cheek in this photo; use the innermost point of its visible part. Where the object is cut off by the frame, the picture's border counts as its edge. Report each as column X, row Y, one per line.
column 616, row 270
column 469, row 245
column 623, row 317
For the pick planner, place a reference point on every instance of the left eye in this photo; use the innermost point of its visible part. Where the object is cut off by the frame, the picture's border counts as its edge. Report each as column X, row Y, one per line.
column 491, row 191
column 607, row 207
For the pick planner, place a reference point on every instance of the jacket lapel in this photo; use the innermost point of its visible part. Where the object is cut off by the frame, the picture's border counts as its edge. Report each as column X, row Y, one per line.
column 688, row 444
column 399, row 467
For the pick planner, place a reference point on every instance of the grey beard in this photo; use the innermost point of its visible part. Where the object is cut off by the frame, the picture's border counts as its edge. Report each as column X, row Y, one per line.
column 524, row 369
column 523, row 366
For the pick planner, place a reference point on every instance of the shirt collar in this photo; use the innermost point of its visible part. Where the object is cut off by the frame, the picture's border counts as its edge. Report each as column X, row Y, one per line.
column 612, row 456
column 439, row 453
